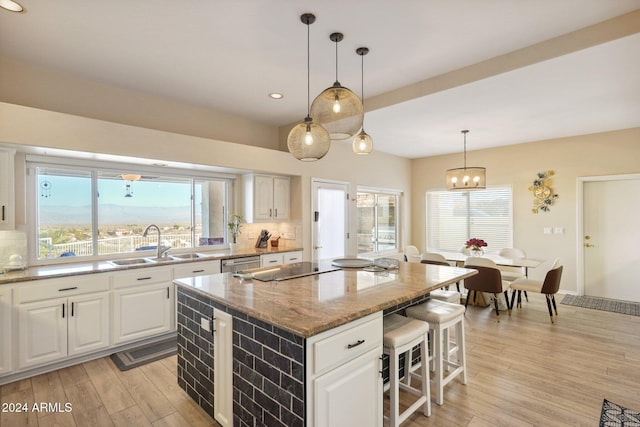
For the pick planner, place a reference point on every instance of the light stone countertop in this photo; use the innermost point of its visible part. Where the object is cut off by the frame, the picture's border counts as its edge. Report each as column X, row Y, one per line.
column 77, row 268
column 306, row 306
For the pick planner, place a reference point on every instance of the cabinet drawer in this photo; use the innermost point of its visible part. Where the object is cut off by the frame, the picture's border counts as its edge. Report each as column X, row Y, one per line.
column 343, row 346
column 61, row 287
column 291, row 257
column 143, row 276
column 196, row 269
column 271, row 259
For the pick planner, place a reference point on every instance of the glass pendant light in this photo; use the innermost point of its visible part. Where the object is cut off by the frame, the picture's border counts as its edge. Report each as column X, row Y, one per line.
column 466, row 178
column 337, row 108
column 308, row 141
column 362, row 143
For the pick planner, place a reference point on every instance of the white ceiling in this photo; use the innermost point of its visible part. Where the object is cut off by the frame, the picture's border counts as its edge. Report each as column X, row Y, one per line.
column 229, row 54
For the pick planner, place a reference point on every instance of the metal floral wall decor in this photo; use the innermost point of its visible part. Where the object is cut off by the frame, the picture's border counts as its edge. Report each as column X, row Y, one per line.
column 543, row 194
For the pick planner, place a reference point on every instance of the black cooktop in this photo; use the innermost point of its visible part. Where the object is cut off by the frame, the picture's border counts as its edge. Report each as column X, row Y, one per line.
column 290, row 271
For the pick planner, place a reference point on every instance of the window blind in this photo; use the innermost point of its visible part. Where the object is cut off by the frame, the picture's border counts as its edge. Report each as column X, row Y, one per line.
column 454, row 217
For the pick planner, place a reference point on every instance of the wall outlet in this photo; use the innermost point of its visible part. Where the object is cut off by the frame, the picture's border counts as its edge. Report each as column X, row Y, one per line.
column 205, row 324
column 558, row 230
column 546, row 230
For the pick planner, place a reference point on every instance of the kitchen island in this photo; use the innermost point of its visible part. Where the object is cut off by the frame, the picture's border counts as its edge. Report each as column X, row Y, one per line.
column 294, row 352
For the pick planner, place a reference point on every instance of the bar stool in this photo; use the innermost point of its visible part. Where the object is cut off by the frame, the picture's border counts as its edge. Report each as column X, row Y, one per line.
column 400, row 335
column 441, row 316
column 448, row 296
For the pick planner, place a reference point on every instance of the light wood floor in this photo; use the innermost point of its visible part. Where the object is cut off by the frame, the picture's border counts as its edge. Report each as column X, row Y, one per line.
column 523, row 371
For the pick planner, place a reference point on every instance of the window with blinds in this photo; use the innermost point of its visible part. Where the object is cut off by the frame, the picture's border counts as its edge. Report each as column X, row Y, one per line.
column 454, row 217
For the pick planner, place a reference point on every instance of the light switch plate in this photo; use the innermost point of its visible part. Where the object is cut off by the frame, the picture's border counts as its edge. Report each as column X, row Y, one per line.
column 546, row 230
column 558, row 230
column 204, row 324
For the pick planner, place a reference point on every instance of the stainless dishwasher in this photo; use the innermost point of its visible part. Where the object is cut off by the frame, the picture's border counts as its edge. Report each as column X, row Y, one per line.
column 234, row 265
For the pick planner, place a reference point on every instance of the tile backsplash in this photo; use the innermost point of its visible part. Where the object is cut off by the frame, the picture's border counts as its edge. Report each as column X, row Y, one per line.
column 290, row 233
column 12, row 242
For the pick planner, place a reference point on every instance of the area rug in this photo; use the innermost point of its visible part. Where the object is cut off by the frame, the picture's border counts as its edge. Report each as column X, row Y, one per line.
column 616, row 306
column 614, row 415
column 144, row 354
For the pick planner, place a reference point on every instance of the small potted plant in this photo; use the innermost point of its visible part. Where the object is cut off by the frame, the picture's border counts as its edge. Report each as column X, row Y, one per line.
column 234, row 224
column 475, row 246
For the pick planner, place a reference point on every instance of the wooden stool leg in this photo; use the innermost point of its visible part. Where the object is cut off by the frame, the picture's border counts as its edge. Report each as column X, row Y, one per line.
column 437, row 355
column 462, row 358
column 394, row 389
column 426, row 389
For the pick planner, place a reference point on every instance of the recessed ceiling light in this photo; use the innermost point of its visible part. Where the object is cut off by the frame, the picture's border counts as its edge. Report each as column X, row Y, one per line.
column 273, row 95
column 10, row 5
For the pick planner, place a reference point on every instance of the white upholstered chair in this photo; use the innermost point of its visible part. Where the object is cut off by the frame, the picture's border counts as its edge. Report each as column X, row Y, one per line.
column 549, row 287
column 411, row 254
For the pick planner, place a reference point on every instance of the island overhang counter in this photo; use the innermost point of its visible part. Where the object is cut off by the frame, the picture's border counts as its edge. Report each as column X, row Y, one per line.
column 282, row 337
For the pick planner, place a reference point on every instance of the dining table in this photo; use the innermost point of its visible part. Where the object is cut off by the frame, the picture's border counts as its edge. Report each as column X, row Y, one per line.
column 459, row 258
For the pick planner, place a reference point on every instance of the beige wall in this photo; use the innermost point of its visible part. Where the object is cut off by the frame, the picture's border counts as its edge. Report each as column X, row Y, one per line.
column 55, row 90
column 26, row 127
column 609, row 153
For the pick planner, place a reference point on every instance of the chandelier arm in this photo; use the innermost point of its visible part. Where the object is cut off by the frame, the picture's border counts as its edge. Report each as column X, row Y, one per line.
column 308, row 75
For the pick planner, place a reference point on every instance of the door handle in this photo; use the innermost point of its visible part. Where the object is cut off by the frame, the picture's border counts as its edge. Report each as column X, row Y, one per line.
column 317, row 247
column 589, row 245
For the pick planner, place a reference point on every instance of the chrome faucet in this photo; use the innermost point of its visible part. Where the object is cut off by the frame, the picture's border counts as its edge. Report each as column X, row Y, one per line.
column 162, row 250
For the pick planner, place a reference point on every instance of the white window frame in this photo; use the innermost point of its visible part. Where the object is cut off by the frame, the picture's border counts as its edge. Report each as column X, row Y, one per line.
column 493, row 248
column 94, row 167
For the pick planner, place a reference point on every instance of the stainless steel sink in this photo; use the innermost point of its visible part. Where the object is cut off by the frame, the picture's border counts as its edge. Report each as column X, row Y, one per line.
column 187, row 256
column 162, row 259
column 131, row 261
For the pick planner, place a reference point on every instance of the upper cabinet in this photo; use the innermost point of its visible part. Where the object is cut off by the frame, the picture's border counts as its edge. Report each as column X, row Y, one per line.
column 7, row 190
column 267, row 198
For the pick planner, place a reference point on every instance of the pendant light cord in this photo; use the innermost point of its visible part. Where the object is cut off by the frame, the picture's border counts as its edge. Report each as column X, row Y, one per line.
column 308, row 75
column 362, row 79
column 336, row 60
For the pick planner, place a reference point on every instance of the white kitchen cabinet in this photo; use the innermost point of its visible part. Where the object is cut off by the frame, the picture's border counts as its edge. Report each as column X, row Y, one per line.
column 6, row 365
column 62, row 317
column 223, row 368
column 143, row 303
column 341, row 363
column 267, row 198
column 280, row 258
column 7, row 189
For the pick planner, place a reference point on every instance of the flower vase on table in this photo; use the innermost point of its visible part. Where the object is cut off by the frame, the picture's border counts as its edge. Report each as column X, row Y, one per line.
column 477, row 252
column 475, row 246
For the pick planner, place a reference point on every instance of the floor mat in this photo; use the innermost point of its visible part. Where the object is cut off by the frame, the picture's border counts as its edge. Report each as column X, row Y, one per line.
column 616, row 306
column 614, row 415
column 148, row 353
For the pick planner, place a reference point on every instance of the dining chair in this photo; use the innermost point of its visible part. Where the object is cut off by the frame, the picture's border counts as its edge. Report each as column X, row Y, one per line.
column 511, row 274
column 488, row 280
column 437, row 259
column 411, row 254
column 549, row 287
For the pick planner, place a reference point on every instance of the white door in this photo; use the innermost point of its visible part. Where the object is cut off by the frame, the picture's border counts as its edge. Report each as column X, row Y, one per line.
column 335, row 405
column 88, row 325
column 42, row 332
column 141, row 312
column 329, row 219
column 611, row 231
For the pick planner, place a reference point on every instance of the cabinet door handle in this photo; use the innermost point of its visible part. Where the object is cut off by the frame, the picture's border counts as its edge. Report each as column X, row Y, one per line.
column 63, row 310
column 276, row 210
column 3, row 212
column 143, row 278
column 72, row 306
column 270, row 212
column 197, row 271
column 67, row 289
column 357, row 343
column 272, row 261
column 168, row 293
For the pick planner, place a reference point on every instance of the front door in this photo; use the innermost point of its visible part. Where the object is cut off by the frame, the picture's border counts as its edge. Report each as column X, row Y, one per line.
column 610, row 238
column 329, row 219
